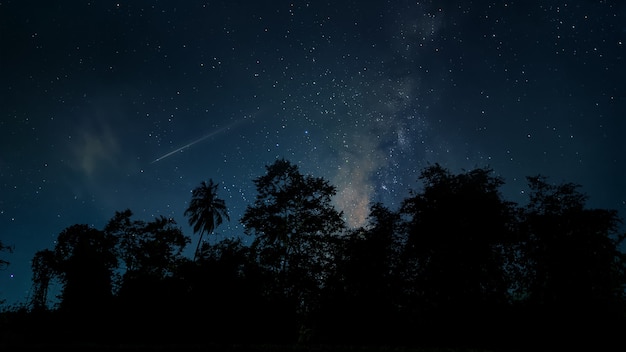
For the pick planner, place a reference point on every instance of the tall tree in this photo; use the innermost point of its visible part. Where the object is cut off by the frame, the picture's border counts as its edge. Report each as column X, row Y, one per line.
column 4, row 263
column 458, row 229
column 84, row 258
column 150, row 294
column 206, row 211
column 293, row 221
column 43, row 266
column 576, row 272
column 147, row 249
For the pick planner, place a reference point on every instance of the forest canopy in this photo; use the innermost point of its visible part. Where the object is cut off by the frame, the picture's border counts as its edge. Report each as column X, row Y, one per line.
column 455, row 264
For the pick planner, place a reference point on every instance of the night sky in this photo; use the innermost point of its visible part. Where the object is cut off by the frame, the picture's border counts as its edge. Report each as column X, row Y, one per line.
column 108, row 105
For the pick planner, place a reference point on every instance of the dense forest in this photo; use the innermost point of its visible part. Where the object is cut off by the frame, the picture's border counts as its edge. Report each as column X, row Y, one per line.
column 455, row 266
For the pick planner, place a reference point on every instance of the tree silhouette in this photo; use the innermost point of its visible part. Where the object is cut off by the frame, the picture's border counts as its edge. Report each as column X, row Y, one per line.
column 151, row 253
column 224, row 285
column 293, row 222
column 4, row 263
column 206, row 211
column 455, row 263
column 43, row 266
column 84, row 259
column 575, row 270
column 458, row 229
column 363, row 289
column 148, row 249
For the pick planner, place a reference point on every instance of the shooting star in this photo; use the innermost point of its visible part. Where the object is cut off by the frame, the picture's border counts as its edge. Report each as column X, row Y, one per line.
column 188, row 145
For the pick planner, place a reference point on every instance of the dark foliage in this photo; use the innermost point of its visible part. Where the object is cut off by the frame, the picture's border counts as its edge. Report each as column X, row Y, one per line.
column 293, row 223
column 455, row 266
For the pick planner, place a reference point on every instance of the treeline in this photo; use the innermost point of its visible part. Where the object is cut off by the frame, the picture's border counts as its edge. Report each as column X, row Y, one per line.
column 456, row 265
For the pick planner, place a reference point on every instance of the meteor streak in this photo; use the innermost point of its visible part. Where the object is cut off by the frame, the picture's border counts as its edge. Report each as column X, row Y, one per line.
column 188, row 145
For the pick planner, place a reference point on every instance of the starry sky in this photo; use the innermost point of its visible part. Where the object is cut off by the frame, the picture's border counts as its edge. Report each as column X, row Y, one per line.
column 113, row 105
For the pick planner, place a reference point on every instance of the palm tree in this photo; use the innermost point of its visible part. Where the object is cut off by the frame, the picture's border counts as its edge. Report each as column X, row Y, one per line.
column 206, row 211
